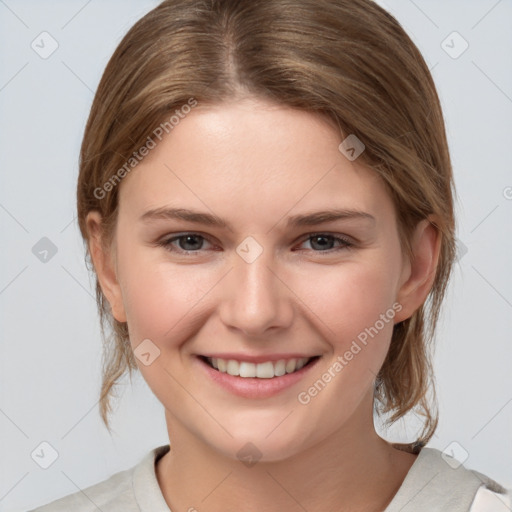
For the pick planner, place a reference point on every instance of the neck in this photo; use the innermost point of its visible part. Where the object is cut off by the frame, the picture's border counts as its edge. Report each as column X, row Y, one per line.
column 354, row 469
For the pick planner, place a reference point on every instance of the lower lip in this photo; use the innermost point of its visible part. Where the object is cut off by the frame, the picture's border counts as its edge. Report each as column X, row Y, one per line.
column 252, row 387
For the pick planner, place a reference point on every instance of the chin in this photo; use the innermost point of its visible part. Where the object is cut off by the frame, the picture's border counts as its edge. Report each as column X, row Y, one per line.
column 261, row 444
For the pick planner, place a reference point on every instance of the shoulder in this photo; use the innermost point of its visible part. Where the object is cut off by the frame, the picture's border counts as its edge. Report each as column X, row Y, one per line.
column 115, row 489
column 491, row 501
column 437, row 481
column 115, row 494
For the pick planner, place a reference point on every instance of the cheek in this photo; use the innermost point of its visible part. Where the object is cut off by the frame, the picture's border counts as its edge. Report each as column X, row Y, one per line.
column 353, row 301
column 353, row 293
column 160, row 298
column 356, row 317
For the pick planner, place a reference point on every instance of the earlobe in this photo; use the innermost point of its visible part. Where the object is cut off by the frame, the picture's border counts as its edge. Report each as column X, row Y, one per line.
column 421, row 271
column 103, row 261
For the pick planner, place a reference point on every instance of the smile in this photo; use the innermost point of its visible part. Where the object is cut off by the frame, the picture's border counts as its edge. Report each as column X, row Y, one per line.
column 264, row 370
column 255, row 377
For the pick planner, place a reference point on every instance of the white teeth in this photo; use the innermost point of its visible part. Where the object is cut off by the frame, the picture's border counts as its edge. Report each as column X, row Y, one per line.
column 266, row 370
column 301, row 363
column 280, row 368
column 291, row 365
column 233, row 367
column 247, row 370
column 220, row 364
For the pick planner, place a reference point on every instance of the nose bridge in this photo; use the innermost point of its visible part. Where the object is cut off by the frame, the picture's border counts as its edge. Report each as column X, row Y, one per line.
column 256, row 299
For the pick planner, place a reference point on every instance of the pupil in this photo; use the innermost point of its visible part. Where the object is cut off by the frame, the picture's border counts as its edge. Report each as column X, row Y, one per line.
column 186, row 240
column 321, row 245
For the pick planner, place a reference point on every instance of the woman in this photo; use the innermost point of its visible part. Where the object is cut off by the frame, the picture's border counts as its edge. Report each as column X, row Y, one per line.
column 266, row 196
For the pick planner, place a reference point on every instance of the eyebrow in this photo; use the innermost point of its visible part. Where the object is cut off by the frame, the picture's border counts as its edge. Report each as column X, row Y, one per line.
column 308, row 219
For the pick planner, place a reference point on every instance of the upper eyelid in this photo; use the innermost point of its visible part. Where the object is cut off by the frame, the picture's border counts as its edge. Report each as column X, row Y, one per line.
column 176, row 236
column 208, row 237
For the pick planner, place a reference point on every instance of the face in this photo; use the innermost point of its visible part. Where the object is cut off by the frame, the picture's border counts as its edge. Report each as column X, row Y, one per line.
column 258, row 278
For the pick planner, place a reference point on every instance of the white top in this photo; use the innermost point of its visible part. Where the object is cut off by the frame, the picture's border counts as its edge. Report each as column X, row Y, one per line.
column 137, row 490
column 489, row 501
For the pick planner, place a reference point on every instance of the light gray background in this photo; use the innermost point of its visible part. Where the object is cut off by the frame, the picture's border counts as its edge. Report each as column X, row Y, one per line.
column 50, row 339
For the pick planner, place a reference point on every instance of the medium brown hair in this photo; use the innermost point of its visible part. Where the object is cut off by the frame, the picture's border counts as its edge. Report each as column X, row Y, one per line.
column 348, row 60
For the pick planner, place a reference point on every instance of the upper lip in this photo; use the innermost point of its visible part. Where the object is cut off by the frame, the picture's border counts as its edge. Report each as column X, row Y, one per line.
column 258, row 358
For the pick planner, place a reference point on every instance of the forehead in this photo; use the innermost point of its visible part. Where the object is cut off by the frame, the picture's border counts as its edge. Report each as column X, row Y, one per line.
column 255, row 157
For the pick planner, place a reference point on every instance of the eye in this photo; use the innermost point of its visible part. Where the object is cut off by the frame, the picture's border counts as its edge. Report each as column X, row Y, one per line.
column 186, row 243
column 323, row 242
column 190, row 243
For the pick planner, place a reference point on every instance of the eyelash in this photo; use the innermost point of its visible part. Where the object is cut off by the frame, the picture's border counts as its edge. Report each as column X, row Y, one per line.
column 347, row 244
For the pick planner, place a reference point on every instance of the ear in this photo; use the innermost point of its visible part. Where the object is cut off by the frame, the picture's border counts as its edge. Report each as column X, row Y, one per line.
column 104, row 265
column 418, row 275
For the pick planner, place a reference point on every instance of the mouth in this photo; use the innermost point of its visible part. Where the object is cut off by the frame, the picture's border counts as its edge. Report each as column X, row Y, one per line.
column 263, row 370
column 257, row 379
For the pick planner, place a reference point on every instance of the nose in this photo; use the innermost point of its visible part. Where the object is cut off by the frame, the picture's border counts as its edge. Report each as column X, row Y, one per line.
column 256, row 297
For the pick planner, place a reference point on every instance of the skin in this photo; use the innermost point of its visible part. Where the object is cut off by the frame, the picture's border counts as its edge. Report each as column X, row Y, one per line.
column 254, row 164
